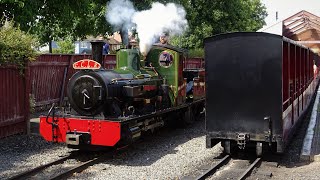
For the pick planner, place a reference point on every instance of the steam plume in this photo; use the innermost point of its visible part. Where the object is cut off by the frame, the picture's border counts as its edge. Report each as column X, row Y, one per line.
column 119, row 15
column 169, row 18
column 160, row 18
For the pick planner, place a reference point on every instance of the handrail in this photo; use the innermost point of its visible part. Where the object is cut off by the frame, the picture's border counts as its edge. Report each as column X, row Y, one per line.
column 52, row 107
column 286, row 101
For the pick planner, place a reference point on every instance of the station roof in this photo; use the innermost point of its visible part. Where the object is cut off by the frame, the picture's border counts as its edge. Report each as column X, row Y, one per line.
column 303, row 27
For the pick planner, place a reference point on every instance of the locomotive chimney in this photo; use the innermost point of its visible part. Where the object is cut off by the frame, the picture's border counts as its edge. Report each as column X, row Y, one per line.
column 97, row 46
column 124, row 38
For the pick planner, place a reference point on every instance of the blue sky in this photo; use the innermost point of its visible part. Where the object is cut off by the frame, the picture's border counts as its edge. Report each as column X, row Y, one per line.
column 287, row 8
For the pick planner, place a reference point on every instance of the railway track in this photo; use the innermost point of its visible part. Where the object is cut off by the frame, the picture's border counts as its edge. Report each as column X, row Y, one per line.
column 64, row 167
column 229, row 168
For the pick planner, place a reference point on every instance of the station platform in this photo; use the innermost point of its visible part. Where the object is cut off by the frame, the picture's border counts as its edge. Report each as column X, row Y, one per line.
column 311, row 144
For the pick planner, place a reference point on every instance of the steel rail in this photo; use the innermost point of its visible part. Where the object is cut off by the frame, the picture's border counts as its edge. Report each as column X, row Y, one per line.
column 80, row 167
column 38, row 169
column 214, row 168
column 250, row 168
column 65, row 174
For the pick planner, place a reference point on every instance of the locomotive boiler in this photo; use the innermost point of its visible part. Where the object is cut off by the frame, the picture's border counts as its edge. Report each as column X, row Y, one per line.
column 126, row 90
column 114, row 107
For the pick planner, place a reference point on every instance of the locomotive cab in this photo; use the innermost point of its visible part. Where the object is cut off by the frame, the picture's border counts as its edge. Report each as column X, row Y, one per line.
column 167, row 61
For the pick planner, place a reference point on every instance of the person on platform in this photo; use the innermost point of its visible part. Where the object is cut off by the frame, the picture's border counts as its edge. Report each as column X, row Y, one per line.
column 105, row 49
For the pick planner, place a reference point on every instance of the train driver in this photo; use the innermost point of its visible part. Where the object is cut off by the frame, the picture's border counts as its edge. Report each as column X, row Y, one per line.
column 164, row 38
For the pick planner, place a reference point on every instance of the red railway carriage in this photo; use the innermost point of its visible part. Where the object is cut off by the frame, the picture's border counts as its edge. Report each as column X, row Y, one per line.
column 258, row 88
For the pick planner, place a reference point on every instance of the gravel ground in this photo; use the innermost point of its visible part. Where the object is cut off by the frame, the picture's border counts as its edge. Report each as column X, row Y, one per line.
column 19, row 153
column 166, row 154
column 289, row 165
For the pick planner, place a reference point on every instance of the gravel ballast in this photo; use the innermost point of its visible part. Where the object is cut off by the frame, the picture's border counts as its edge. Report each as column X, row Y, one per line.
column 165, row 154
column 168, row 154
column 20, row 153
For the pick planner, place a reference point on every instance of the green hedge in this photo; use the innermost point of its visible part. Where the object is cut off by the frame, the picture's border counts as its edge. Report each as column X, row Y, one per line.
column 65, row 46
column 196, row 53
column 16, row 46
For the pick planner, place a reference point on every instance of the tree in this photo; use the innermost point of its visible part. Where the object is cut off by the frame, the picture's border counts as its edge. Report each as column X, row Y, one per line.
column 16, row 46
column 65, row 46
column 207, row 18
column 56, row 19
column 72, row 19
column 22, row 12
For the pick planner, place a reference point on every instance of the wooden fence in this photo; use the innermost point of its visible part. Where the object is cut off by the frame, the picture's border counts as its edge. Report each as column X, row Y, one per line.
column 44, row 82
column 50, row 73
column 14, row 101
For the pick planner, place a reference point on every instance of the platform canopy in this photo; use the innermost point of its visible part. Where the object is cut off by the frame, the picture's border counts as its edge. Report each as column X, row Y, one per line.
column 303, row 27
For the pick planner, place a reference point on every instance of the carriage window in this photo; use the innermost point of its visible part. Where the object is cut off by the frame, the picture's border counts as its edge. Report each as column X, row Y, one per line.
column 165, row 59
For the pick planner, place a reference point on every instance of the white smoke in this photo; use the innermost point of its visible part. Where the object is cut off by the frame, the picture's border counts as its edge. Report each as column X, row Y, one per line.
column 169, row 18
column 160, row 18
column 119, row 14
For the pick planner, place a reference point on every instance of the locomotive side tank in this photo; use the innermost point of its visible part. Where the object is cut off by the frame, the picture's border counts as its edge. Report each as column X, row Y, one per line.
column 258, row 88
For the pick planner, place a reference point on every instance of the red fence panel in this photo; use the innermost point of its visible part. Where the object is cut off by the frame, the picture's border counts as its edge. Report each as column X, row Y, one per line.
column 14, row 101
column 110, row 61
column 47, row 75
column 50, row 74
column 46, row 78
column 193, row 63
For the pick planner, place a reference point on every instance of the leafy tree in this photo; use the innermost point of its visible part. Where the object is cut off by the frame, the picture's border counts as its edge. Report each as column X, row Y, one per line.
column 16, row 46
column 65, row 46
column 23, row 12
column 60, row 19
column 55, row 19
column 207, row 18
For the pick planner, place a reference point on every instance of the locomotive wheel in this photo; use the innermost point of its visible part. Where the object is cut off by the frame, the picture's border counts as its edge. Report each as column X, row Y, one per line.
column 259, row 149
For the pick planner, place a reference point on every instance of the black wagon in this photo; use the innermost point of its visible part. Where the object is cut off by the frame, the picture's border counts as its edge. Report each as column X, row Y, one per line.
column 258, row 85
